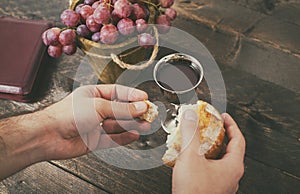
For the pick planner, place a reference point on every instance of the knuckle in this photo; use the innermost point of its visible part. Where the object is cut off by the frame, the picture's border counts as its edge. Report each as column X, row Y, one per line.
column 85, row 88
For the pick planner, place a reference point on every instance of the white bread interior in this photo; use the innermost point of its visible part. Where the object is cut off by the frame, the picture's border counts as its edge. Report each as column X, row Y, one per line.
column 210, row 127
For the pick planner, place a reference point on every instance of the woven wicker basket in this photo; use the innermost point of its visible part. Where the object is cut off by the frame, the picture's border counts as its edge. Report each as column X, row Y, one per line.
column 109, row 61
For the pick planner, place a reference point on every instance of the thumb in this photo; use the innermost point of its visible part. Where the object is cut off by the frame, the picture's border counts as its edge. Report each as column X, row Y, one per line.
column 190, row 134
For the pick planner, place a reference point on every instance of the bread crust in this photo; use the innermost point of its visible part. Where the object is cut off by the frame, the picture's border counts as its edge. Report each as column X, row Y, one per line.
column 217, row 147
column 208, row 120
column 170, row 163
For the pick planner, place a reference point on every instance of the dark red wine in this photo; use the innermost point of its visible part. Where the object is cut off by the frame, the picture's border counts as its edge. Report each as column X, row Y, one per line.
column 177, row 75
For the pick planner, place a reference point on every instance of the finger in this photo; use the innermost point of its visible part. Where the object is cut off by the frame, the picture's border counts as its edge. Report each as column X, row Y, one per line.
column 114, row 140
column 119, row 110
column 119, row 92
column 236, row 146
column 190, row 134
column 118, row 126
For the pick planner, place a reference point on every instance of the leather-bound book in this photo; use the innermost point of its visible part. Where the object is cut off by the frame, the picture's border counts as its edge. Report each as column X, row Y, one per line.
column 21, row 54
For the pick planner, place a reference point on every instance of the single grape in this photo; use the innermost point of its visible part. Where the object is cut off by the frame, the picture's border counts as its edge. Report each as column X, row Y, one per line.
column 55, row 51
column 78, row 7
column 89, row 2
column 138, row 11
column 166, row 3
column 92, row 25
column 86, row 11
column 69, row 49
column 102, row 14
column 96, row 37
column 67, row 37
column 82, row 30
column 141, row 25
column 109, row 34
column 125, row 26
column 146, row 40
column 163, row 24
column 50, row 36
column 122, row 8
column 171, row 13
column 70, row 18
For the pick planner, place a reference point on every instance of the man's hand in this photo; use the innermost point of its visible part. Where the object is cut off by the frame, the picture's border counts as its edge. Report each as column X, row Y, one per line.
column 92, row 117
column 193, row 173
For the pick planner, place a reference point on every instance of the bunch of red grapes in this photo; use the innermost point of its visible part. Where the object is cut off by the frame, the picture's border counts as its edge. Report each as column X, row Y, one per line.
column 107, row 22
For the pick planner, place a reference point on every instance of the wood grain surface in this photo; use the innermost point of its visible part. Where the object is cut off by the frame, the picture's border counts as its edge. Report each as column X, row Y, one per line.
column 260, row 67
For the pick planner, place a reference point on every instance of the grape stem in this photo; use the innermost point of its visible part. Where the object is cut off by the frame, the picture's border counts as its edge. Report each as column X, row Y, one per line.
column 110, row 5
column 150, row 3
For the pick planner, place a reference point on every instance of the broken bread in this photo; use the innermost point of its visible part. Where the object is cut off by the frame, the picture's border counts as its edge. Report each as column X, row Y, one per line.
column 152, row 112
column 211, row 132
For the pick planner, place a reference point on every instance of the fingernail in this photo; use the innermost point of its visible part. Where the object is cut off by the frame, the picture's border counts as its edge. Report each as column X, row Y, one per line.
column 190, row 115
column 137, row 94
column 140, row 106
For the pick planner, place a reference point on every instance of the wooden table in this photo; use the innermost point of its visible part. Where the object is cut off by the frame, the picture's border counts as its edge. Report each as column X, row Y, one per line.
column 266, row 108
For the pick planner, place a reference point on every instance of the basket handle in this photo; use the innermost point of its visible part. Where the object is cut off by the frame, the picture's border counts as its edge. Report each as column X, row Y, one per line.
column 125, row 65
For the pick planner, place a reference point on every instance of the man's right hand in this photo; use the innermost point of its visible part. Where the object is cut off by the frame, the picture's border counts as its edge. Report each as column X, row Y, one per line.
column 193, row 173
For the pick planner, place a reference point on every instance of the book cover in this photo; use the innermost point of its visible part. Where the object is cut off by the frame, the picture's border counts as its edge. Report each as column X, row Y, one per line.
column 21, row 54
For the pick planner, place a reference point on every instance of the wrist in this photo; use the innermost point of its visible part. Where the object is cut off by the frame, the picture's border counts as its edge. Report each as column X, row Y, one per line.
column 22, row 142
column 32, row 129
column 43, row 127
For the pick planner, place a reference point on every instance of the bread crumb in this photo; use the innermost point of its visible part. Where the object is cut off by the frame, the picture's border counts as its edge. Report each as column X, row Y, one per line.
column 152, row 112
